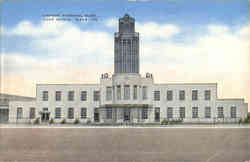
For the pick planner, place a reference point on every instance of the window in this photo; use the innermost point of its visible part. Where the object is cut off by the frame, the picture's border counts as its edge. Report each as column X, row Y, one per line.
column 58, row 95
column 170, row 112
column 83, row 113
column 195, row 112
column 233, row 112
column 157, row 95
column 220, row 112
column 57, row 113
column 182, row 112
column 135, row 92
column 207, row 112
column 45, row 95
column 71, row 96
column 32, row 113
column 96, row 95
column 144, row 93
column 45, row 109
column 84, row 96
column 169, row 95
column 126, row 92
column 144, row 113
column 109, row 113
column 108, row 93
column 194, row 94
column 71, row 113
column 19, row 113
column 207, row 94
column 118, row 92
column 182, row 95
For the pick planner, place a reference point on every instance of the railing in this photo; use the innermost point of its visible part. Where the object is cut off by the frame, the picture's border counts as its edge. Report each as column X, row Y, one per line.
column 131, row 122
column 205, row 120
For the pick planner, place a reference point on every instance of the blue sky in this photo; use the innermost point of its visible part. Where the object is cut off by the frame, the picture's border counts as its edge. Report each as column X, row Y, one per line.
column 181, row 12
column 194, row 41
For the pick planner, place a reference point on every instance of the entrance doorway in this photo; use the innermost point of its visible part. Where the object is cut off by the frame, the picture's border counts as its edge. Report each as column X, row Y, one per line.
column 96, row 115
column 45, row 116
column 4, row 115
column 157, row 114
column 126, row 114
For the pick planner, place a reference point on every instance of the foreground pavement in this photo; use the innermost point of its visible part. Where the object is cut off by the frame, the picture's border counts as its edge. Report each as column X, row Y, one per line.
column 178, row 144
column 125, row 126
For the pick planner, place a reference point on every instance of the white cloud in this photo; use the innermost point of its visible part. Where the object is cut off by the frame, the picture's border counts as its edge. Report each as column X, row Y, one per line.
column 22, row 73
column 1, row 29
column 153, row 31
column 63, row 39
column 245, row 31
column 149, row 30
column 218, row 29
column 113, row 22
column 45, row 28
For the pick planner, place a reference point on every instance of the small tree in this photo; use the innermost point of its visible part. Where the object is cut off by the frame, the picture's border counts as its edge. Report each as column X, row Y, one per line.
column 37, row 121
column 88, row 121
column 247, row 120
column 51, row 121
column 63, row 121
column 76, row 121
column 165, row 122
column 240, row 121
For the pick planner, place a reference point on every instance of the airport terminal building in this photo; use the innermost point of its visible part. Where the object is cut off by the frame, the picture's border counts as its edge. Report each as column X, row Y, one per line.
column 124, row 97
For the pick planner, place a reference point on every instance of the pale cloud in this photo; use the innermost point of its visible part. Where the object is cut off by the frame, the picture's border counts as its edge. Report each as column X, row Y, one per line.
column 74, row 42
column 1, row 29
column 218, row 29
column 45, row 28
column 154, row 31
column 63, row 39
column 219, row 55
column 22, row 73
column 150, row 30
column 112, row 22
column 245, row 31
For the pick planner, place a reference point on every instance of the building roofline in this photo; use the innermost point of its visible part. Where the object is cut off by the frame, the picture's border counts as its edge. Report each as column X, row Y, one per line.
column 89, row 84
column 12, row 97
column 185, row 84
column 223, row 99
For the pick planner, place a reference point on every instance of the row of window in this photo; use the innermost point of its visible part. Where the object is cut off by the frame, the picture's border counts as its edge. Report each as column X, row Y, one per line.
column 126, row 95
column 83, row 114
column 195, row 112
column 71, row 96
column 182, row 95
column 126, row 92
column 96, row 95
column 58, row 113
column 144, row 114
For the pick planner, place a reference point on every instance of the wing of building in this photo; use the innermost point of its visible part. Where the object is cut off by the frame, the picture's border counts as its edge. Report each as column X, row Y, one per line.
column 126, row 96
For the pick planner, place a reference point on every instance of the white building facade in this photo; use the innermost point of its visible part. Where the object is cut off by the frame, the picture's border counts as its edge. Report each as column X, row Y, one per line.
column 126, row 96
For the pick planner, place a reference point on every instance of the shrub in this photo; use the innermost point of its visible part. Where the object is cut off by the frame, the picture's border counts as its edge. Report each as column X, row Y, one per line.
column 164, row 122
column 174, row 121
column 37, row 121
column 240, row 121
column 63, row 121
column 88, row 121
column 76, row 121
column 51, row 121
column 247, row 120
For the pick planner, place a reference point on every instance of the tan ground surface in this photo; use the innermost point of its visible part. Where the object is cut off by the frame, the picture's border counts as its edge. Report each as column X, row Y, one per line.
column 125, row 145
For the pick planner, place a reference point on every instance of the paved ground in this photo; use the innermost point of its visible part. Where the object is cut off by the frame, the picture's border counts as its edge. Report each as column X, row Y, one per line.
column 125, row 144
